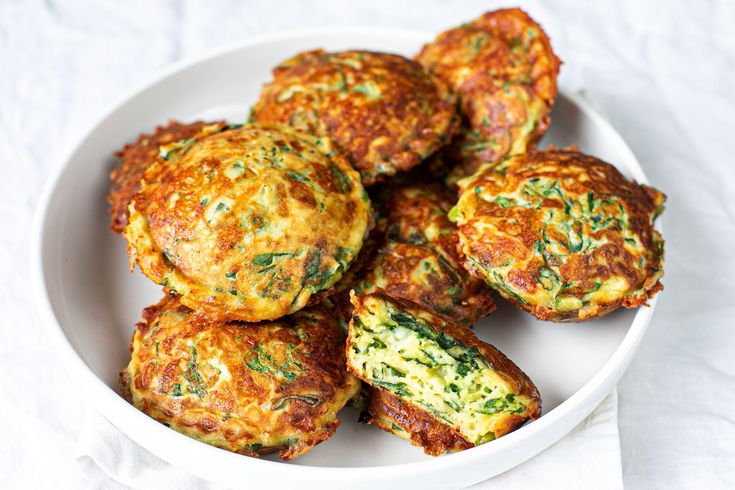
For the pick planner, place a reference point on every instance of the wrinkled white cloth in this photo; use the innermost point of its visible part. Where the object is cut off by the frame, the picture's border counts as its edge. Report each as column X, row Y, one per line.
column 663, row 71
column 109, row 459
column 587, row 457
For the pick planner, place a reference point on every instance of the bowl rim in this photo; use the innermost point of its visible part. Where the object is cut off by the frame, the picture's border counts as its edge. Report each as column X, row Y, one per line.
column 124, row 416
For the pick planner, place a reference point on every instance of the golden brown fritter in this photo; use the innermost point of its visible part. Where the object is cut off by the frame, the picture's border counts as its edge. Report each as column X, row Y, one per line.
column 247, row 388
column 414, row 256
column 437, row 384
column 503, row 69
column 561, row 234
column 385, row 111
column 248, row 224
column 138, row 156
column 407, row 421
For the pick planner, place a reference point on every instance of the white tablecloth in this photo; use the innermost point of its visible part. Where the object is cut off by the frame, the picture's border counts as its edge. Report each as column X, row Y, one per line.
column 664, row 72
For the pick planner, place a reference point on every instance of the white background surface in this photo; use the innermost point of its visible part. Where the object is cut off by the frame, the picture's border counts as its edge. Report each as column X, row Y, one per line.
column 664, row 72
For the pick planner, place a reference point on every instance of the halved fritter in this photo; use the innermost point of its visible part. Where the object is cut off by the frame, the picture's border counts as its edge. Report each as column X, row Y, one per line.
column 439, row 385
column 561, row 234
column 248, row 224
column 404, row 419
column 138, row 156
column 385, row 111
column 504, row 71
column 248, row 388
column 414, row 256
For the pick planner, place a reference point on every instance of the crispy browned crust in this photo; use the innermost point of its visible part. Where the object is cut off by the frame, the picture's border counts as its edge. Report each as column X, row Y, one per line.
column 519, row 230
column 419, row 273
column 385, row 111
column 138, row 156
column 388, row 411
column 422, row 427
column 228, row 222
column 504, row 70
column 413, row 254
column 247, row 388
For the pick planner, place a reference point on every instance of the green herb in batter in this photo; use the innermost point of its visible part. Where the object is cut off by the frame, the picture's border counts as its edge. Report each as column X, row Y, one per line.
column 490, row 436
column 340, row 179
column 477, row 43
column 503, row 286
column 313, row 275
column 298, row 177
column 266, row 259
column 454, row 405
column 308, row 399
column 341, row 86
column 167, row 255
column 194, row 380
column 397, row 388
column 261, row 361
column 547, row 278
column 180, row 147
column 394, row 372
column 376, row 344
column 370, row 89
column 504, row 202
column 257, row 363
column 411, row 323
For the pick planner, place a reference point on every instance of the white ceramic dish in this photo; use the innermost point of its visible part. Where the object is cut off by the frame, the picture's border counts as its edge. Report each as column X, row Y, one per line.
column 90, row 302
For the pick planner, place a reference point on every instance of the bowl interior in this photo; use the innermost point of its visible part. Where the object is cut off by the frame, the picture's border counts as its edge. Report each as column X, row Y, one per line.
column 97, row 301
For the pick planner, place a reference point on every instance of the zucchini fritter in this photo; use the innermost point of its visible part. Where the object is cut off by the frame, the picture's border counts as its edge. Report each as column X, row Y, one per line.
column 248, row 224
column 438, row 384
column 504, row 71
column 385, row 111
column 247, row 388
column 415, row 257
column 138, row 156
column 561, row 234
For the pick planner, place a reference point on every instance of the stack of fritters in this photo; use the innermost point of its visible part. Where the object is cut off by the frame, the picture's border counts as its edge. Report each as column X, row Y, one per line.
column 413, row 255
column 251, row 388
column 287, row 282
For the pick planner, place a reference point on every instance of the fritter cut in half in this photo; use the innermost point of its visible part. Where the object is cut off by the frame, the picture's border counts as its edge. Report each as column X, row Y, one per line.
column 385, row 111
column 563, row 235
column 247, row 388
column 434, row 382
column 504, row 71
column 138, row 156
column 248, row 224
column 417, row 257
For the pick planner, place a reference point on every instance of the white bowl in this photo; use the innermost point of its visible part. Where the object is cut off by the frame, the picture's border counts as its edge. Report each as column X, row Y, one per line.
column 90, row 302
